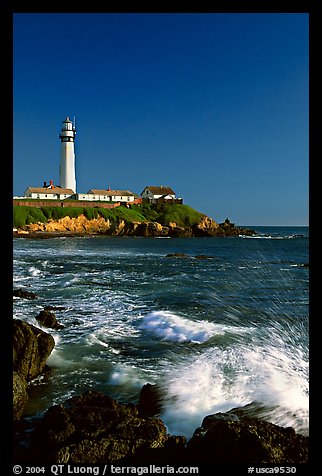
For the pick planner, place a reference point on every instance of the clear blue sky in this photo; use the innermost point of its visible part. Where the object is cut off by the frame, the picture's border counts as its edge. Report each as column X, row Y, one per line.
column 213, row 105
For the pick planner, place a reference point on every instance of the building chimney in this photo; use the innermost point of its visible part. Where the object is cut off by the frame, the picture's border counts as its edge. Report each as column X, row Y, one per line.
column 51, row 183
column 45, row 184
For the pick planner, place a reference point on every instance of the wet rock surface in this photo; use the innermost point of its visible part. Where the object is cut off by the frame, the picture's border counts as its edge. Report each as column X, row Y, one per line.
column 47, row 318
column 227, row 437
column 31, row 348
column 95, row 428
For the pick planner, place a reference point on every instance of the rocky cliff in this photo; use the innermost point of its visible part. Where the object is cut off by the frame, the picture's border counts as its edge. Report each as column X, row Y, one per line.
column 100, row 226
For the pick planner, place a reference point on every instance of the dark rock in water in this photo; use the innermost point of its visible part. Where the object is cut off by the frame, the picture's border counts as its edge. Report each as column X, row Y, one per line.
column 21, row 293
column 231, row 438
column 94, row 428
column 20, row 395
column 48, row 319
column 31, row 348
column 177, row 255
column 204, row 257
column 54, row 308
column 150, row 402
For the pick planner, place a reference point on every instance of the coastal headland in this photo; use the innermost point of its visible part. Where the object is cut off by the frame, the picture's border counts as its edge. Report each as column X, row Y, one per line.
column 165, row 220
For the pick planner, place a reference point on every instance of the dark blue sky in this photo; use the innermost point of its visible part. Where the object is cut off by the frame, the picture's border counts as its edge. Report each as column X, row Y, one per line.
column 213, row 105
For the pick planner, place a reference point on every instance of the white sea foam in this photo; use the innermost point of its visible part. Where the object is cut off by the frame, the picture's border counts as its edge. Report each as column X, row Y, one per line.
column 171, row 327
column 218, row 380
column 225, row 361
column 95, row 338
column 124, row 374
column 33, row 271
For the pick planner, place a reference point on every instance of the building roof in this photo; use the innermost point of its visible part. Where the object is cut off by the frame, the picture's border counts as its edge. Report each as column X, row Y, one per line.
column 54, row 189
column 110, row 192
column 161, row 190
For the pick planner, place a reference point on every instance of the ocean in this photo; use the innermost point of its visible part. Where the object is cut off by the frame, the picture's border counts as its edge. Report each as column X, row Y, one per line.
column 222, row 326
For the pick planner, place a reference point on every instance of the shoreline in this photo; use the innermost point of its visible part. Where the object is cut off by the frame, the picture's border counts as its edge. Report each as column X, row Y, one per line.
column 93, row 427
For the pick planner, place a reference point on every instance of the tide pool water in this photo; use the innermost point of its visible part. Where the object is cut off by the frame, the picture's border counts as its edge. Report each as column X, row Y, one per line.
column 214, row 333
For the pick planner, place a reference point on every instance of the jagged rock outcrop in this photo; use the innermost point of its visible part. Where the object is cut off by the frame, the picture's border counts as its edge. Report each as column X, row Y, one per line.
column 31, row 348
column 227, row 437
column 94, row 428
column 47, row 318
column 76, row 225
column 151, row 229
column 227, row 228
column 206, row 227
column 150, row 401
column 81, row 225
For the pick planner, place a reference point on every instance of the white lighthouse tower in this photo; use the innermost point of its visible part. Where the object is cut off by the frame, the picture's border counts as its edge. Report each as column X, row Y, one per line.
column 67, row 155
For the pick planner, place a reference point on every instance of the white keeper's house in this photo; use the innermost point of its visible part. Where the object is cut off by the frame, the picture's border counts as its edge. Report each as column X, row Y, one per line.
column 54, row 192
column 48, row 192
column 160, row 193
column 108, row 195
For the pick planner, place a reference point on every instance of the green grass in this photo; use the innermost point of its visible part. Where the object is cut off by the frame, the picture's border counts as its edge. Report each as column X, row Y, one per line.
column 182, row 215
column 26, row 215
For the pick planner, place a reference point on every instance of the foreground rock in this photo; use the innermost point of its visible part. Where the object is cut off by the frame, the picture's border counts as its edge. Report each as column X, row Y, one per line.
column 31, row 348
column 20, row 395
column 94, row 428
column 226, row 437
column 150, row 401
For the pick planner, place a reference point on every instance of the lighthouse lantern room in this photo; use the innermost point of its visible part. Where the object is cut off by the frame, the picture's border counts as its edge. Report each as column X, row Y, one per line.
column 67, row 155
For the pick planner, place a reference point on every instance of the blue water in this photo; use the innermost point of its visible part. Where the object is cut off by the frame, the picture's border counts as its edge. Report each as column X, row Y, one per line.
column 215, row 333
